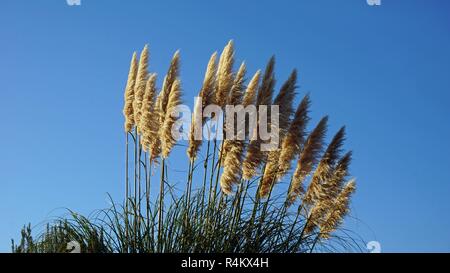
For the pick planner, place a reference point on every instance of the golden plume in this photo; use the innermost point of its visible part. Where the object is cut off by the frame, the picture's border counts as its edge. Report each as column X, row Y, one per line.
column 250, row 92
column 255, row 157
column 316, row 188
column 206, row 95
column 169, row 79
column 338, row 211
column 308, row 159
column 232, row 171
column 265, row 92
column 284, row 101
column 234, row 98
column 167, row 141
column 225, row 74
column 237, row 89
column 232, row 150
column 129, row 95
column 332, row 185
column 149, row 122
column 162, row 101
column 315, row 215
column 295, row 137
column 139, row 88
column 329, row 205
column 155, row 147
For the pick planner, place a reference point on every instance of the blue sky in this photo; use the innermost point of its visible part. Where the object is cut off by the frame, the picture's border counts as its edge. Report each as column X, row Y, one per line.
column 382, row 71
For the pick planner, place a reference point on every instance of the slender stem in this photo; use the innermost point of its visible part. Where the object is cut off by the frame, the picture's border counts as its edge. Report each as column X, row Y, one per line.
column 210, row 196
column 264, row 211
column 187, row 198
column 147, row 195
column 205, row 166
column 315, row 242
column 136, row 163
column 139, row 188
column 212, row 171
column 161, row 204
column 255, row 206
column 300, row 207
column 126, row 190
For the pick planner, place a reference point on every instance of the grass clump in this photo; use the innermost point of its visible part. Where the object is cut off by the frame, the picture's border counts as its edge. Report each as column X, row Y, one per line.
column 237, row 198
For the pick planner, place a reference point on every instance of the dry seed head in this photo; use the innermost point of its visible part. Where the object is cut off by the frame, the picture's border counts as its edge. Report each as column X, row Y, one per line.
column 237, row 89
column 255, row 157
column 318, row 186
column 148, row 123
column 194, row 144
column 207, row 91
column 252, row 160
column 206, row 94
column 129, row 94
column 161, row 107
column 232, row 167
column 250, row 92
column 295, row 138
column 308, row 159
column 270, row 174
column 334, row 149
column 169, row 79
column 225, row 74
column 338, row 211
column 284, row 100
column 167, row 141
column 332, row 185
column 235, row 98
column 265, row 92
column 139, row 88
column 315, row 216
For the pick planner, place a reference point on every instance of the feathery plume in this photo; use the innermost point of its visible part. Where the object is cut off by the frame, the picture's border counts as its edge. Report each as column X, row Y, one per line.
column 237, row 89
column 316, row 188
column 315, row 215
column 334, row 149
column 250, row 92
column 169, row 79
column 139, row 88
column 265, row 92
column 295, row 137
column 167, row 141
column 337, row 213
column 253, row 160
column 232, row 171
column 249, row 98
column 207, row 91
column 155, row 147
column 235, row 98
column 255, row 157
column 225, row 74
column 129, row 95
column 284, row 101
column 333, row 180
column 162, row 103
column 149, row 122
column 206, row 95
column 308, row 159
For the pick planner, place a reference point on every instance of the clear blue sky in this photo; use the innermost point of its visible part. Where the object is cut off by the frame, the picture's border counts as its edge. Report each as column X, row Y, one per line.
column 382, row 71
